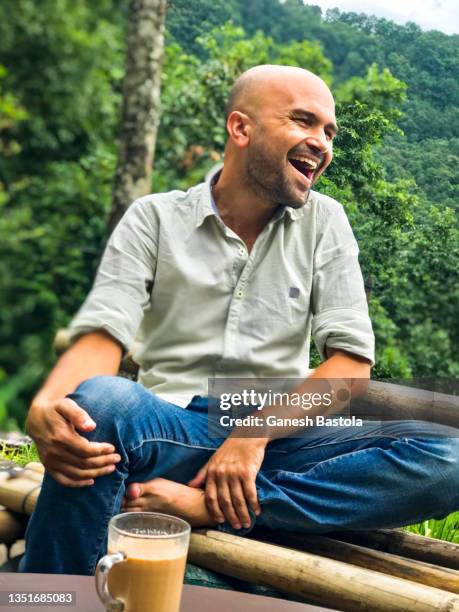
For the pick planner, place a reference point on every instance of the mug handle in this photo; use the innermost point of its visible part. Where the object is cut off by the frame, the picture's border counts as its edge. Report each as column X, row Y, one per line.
column 102, row 569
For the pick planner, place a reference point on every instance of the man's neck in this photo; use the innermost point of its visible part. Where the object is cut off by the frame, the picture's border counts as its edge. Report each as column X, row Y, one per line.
column 240, row 209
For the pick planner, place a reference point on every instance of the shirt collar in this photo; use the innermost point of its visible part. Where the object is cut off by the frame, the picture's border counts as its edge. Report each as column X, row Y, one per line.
column 206, row 203
column 207, row 207
column 295, row 213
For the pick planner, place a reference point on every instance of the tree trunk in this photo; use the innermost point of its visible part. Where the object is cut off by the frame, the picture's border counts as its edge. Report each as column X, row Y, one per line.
column 141, row 104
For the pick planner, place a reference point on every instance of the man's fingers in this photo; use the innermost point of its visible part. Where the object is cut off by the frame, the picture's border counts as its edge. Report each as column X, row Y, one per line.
column 212, row 501
column 66, row 458
column 76, row 417
column 77, row 475
column 68, row 482
column 239, row 502
column 226, row 504
column 79, row 418
column 82, row 447
column 250, row 494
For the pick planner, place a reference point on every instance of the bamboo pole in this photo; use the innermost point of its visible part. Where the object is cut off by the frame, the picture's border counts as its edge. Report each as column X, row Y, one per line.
column 314, row 579
column 386, row 401
column 387, row 563
column 12, row 526
column 36, row 466
column 399, row 542
column 32, row 474
column 20, row 493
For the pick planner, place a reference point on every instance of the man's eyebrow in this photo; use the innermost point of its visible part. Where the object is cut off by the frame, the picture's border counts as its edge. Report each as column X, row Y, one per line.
column 300, row 112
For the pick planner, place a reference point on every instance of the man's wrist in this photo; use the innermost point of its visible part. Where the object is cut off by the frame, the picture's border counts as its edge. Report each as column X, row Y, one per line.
column 40, row 402
column 241, row 434
column 261, row 442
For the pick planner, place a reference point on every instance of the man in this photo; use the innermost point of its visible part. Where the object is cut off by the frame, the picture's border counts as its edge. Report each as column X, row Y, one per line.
column 229, row 278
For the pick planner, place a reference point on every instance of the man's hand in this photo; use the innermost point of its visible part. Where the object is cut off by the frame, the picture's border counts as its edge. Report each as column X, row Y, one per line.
column 71, row 459
column 229, row 478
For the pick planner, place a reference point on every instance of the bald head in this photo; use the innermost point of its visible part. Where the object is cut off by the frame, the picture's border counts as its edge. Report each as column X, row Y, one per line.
column 255, row 86
column 281, row 123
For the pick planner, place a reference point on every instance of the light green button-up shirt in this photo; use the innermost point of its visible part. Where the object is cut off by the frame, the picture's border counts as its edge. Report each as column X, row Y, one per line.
column 174, row 276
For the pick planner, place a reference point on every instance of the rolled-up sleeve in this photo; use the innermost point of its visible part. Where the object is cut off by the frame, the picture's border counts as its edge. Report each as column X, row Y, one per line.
column 125, row 277
column 340, row 311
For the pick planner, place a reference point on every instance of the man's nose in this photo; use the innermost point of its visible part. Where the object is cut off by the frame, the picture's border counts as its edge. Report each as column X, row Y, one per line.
column 318, row 143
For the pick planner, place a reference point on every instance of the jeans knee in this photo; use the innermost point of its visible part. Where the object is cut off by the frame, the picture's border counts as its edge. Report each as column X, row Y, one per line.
column 106, row 398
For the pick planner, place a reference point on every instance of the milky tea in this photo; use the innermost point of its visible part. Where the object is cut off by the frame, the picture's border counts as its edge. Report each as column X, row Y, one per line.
column 150, row 578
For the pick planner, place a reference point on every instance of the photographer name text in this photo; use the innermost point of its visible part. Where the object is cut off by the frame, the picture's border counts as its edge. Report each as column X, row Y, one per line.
column 276, row 421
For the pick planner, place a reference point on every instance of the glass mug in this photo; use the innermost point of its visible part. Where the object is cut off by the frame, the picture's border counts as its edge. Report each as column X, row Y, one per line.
column 145, row 563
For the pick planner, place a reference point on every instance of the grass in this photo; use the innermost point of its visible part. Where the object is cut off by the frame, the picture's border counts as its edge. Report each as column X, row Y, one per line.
column 442, row 529
column 21, row 456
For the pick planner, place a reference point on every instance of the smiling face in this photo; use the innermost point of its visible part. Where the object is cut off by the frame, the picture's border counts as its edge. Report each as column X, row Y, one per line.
column 290, row 128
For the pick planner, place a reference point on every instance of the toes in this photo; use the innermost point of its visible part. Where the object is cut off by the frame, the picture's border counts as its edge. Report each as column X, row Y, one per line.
column 133, row 491
column 139, row 503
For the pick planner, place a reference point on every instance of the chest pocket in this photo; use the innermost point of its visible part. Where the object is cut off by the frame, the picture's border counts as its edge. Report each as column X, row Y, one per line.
column 276, row 314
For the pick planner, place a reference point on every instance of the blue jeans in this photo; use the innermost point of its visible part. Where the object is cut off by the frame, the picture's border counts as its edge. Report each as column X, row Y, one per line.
column 384, row 475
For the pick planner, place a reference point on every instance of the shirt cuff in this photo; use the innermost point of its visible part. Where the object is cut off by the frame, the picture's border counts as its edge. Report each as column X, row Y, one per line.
column 114, row 312
column 346, row 329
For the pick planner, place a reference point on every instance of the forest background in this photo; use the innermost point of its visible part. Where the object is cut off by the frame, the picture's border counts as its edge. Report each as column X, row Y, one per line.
column 61, row 70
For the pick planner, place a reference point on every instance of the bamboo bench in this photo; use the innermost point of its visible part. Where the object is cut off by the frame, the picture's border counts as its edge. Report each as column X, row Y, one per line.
column 378, row 570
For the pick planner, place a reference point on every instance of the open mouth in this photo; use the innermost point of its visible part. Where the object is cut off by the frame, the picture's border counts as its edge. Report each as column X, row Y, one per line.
column 305, row 165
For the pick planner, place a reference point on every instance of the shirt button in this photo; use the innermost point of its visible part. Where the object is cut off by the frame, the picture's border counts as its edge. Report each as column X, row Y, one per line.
column 241, row 251
column 239, row 294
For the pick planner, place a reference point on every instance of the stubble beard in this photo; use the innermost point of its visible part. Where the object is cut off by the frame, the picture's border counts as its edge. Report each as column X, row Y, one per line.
column 267, row 181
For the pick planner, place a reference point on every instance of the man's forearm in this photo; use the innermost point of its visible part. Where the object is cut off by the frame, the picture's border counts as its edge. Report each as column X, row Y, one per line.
column 93, row 354
column 342, row 375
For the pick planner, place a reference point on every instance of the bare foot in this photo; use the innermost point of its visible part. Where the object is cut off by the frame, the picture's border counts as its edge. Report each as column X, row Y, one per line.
column 161, row 495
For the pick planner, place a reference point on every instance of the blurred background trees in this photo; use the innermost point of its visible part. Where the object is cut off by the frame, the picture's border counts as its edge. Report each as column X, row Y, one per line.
column 61, row 71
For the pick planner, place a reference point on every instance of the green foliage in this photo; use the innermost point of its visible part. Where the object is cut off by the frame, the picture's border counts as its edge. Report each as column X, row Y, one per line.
column 379, row 89
column 62, row 64
column 443, row 529
column 11, row 113
column 187, row 21
column 425, row 293
column 59, row 105
column 48, row 255
column 434, row 164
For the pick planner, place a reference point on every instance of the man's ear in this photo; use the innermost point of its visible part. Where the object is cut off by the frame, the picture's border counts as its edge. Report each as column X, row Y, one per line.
column 238, row 126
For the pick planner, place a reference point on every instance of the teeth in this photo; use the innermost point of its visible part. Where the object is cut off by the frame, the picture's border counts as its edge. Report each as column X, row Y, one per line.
column 305, row 160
